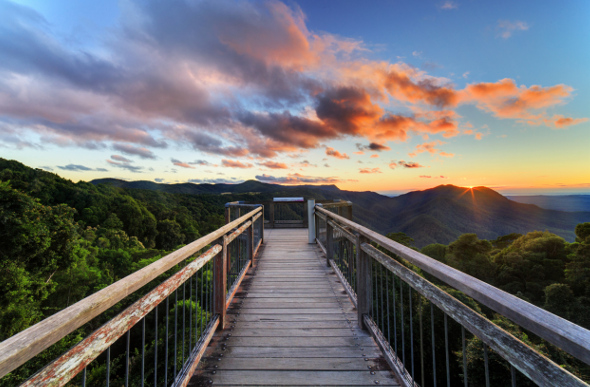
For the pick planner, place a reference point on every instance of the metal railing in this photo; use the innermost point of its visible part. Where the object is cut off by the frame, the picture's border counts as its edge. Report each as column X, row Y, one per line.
column 427, row 335
column 161, row 337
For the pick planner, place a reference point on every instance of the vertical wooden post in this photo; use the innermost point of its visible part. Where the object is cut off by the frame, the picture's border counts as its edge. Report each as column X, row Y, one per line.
column 350, row 211
column 363, row 286
column 271, row 215
column 329, row 243
column 311, row 223
column 262, row 226
column 220, row 283
column 250, row 243
column 227, row 215
column 305, row 213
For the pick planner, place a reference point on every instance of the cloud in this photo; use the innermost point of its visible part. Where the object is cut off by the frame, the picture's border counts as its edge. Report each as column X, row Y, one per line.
column 465, row 74
column 181, row 164
column 374, row 156
column 144, row 153
column 448, row 5
column 235, row 164
column 123, row 163
column 78, row 168
column 120, row 158
column 296, row 178
column 425, row 177
column 372, row 147
column 370, row 170
column 334, row 153
column 392, row 165
column 200, row 162
column 216, row 181
column 507, row 27
column 409, row 164
column 274, row 165
column 430, row 147
column 233, row 79
column 47, row 168
column 159, row 180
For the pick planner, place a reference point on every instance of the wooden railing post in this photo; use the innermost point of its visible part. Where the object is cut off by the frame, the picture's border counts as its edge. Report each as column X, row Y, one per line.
column 311, row 223
column 329, row 243
column 227, row 214
column 271, row 215
column 220, row 283
column 262, row 226
column 250, row 243
column 363, row 286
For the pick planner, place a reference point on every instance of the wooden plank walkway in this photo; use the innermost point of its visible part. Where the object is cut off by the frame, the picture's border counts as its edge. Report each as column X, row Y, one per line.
column 292, row 323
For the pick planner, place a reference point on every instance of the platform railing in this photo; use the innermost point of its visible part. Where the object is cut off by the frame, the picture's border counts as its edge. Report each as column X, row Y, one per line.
column 161, row 337
column 417, row 324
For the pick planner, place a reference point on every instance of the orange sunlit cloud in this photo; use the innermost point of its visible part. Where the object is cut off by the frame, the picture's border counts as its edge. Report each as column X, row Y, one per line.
column 334, row 153
column 235, row 164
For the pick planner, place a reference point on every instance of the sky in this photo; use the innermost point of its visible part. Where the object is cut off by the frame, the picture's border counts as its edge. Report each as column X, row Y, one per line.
column 387, row 96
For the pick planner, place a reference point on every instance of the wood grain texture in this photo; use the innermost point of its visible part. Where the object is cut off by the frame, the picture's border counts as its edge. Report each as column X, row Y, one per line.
column 292, row 323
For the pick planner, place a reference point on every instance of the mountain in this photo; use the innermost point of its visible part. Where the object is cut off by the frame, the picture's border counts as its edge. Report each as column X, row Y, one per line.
column 441, row 214
column 571, row 203
column 437, row 215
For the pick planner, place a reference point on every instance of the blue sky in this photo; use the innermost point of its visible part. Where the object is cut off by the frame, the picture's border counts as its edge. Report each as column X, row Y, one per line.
column 389, row 96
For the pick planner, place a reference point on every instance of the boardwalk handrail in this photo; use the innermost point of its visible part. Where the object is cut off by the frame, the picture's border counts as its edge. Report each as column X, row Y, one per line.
column 556, row 330
column 23, row 346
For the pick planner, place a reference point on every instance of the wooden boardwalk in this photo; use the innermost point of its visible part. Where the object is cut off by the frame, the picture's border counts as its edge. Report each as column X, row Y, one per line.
column 292, row 323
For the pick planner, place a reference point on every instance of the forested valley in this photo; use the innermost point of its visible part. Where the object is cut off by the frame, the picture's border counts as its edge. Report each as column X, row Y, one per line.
column 62, row 241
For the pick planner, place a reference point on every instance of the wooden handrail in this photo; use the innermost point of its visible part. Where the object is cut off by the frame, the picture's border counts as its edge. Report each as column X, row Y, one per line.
column 568, row 336
column 21, row 347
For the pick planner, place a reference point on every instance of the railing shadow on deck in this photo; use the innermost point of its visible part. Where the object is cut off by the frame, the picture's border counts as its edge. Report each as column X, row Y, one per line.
column 173, row 323
column 390, row 298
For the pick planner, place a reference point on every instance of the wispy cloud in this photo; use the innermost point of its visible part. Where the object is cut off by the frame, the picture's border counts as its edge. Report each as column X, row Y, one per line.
column 235, row 164
column 370, row 170
column 448, row 5
column 273, row 165
column 123, row 163
column 296, row 178
column 80, row 168
column 506, row 27
column 334, row 153
column 182, row 164
column 142, row 152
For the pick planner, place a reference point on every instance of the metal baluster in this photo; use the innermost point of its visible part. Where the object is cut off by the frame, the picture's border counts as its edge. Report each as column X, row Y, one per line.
column 127, row 359
column 142, row 350
column 201, row 319
column 513, row 375
column 175, row 330
column 190, row 314
column 166, row 342
column 411, row 331
column 371, row 277
column 394, row 314
column 84, row 377
column 108, row 366
column 433, row 348
column 387, row 294
column 485, row 359
column 381, row 306
column 183, row 321
column 156, row 351
column 420, row 313
column 447, row 351
column 401, row 297
column 465, row 382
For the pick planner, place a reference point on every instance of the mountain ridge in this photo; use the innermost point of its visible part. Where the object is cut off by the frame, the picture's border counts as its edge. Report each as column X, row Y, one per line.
column 435, row 215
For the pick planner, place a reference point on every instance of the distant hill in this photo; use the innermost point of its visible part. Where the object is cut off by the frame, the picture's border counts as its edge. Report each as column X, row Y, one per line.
column 571, row 203
column 437, row 215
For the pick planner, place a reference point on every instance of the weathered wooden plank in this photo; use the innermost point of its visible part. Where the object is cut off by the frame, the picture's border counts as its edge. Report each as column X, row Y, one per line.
column 293, row 305
column 304, row 378
column 297, row 341
column 294, row 317
column 340, row 323
column 295, row 364
column 287, row 311
column 290, row 300
column 298, row 332
column 301, row 352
